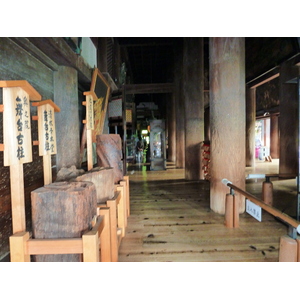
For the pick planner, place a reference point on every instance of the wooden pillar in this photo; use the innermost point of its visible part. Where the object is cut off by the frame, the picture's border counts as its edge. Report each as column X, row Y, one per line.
column 171, row 118
column 102, row 54
column 193, row 89
column 178, row 93
column 67, row 121
column 274, row 136
column 250, row 126
column 288, row 123
column 227, row 118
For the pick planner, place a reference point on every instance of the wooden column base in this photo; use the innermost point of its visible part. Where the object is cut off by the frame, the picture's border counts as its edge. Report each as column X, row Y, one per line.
column 288, row 249
column 232, row 216
column 229, row 211
column 267, row 193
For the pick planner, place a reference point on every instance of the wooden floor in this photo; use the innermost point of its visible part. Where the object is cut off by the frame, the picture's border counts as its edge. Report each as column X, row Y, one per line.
column 171, row 220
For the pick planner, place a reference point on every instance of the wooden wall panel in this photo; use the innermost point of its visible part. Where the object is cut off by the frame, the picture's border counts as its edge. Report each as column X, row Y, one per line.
column 17, row 64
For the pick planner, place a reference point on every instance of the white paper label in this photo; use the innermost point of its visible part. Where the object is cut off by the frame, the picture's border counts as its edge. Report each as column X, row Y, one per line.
column 253, row 210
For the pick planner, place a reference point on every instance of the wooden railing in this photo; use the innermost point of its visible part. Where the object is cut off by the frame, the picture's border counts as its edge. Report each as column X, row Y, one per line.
column 289, row 245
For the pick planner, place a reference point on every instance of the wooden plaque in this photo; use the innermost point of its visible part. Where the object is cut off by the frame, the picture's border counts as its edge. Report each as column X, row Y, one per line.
column 89, row 112
column 100, row 91
column 47, row 133
column 16, row 126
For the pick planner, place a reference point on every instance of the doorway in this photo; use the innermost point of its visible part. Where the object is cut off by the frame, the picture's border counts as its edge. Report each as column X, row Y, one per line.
column 262, row 138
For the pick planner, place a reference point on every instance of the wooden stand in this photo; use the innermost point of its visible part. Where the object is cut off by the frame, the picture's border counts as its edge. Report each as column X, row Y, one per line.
column 17, row 147
column 62, row 210
column 88, row 245
column 95, row 113
column 47, row 135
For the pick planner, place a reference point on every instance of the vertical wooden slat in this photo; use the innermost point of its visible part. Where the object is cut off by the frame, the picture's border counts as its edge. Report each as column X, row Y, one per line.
column 123, row 183
column 18, row 247
column 105, row 242
column 47, row 169
column 121, row 210
column 126, row 178
column 112, row 204
column 17, row 198
column 89, row 149
column 90, row 242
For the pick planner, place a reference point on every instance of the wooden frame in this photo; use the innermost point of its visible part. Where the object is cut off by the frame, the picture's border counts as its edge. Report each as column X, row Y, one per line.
column 101, row 243
column 47, row 105
column 99, row 91
column 18, row 92
column 22, row 246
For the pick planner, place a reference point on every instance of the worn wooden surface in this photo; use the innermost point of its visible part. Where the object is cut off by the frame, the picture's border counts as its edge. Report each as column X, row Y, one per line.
column 103, row 178
column 62, row 210
column 171, row 220
column 109, row 154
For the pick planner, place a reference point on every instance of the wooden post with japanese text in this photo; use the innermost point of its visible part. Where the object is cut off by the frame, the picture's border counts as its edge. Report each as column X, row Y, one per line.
column 96, row 107
column 17, row 145
column 47, row 134
column 89, row 124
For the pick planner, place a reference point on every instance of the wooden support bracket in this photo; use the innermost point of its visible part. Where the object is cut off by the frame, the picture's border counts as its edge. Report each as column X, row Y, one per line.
column 1, row 147
column 17, row 244
column 1, row 108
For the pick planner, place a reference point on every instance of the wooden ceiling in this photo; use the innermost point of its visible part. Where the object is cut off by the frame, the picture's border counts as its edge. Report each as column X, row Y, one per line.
column 151, row 59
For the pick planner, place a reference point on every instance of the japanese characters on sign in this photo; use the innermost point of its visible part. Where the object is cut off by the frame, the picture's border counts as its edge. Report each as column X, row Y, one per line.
column 47, row 133
column 89, row 112
column 17, row 126
column 253, row 210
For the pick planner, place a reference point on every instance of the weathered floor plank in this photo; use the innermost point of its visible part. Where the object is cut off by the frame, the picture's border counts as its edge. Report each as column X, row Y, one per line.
column 171, row 220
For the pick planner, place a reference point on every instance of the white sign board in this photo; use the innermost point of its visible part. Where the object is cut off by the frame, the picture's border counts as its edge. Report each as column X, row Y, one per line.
column 253, row 210
column 16, row 126
column 47, row 133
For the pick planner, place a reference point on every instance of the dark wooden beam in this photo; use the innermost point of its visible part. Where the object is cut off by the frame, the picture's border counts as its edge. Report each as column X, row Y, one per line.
column 264, row 78
column 36, row 52
column 150, row 88
column 57, row 49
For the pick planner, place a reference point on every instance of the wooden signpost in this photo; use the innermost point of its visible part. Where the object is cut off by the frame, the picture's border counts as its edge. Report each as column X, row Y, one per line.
column 96, row 107
column 47, row 135
column 17, row 146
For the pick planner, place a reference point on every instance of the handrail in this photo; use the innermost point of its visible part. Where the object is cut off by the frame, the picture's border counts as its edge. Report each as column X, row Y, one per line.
column 273, row 211
column 267, row 176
